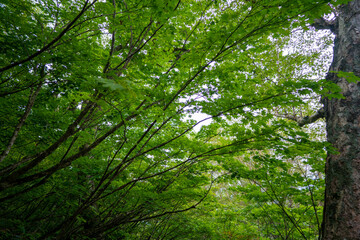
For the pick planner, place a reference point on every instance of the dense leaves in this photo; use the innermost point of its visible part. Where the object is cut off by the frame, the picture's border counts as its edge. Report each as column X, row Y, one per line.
column 158, row 120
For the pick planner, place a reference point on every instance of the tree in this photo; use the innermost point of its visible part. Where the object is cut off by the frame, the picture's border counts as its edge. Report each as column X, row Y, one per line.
column 96, row 139
column 342, row 197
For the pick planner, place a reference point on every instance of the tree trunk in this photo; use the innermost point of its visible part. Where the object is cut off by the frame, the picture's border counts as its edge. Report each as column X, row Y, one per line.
column 342, row 196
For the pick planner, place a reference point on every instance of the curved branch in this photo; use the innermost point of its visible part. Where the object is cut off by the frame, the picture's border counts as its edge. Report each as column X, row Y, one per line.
column 176, row 211
column 84, row 9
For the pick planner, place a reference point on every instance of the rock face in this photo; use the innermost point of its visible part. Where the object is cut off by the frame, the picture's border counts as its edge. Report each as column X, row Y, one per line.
column 342, row 197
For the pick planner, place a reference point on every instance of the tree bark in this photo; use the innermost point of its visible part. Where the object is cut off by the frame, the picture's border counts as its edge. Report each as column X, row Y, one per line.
column 342, row 195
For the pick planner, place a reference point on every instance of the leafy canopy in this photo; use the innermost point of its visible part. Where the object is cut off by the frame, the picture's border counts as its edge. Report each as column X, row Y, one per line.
column 98, row 134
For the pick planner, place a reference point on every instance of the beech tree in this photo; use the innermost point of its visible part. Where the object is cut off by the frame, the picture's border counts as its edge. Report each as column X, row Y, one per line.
column 98, row 138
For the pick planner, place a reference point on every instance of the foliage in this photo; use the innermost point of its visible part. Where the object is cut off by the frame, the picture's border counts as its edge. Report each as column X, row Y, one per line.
column 97, row 132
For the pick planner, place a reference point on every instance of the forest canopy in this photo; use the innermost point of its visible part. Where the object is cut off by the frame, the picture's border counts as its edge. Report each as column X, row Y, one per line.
column 162, row 119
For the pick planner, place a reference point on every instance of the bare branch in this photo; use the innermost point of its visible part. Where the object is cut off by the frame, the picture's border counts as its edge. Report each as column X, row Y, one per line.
column 323, row 24
column 302, row 121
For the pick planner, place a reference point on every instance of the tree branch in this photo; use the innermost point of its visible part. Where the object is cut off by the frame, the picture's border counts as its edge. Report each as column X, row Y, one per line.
column 22, row 120
column 302, row 121
column 322, row 24
column 84, row 9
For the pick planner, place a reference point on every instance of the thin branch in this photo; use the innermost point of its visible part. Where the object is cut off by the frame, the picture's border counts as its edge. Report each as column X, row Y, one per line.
column 269, row 216
column 314, row 205
column 84, row 9
column 141, row 47
column 22, row 120
column 107, row 65
column 36, row 159
column 173, row 212
column 282, row 207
